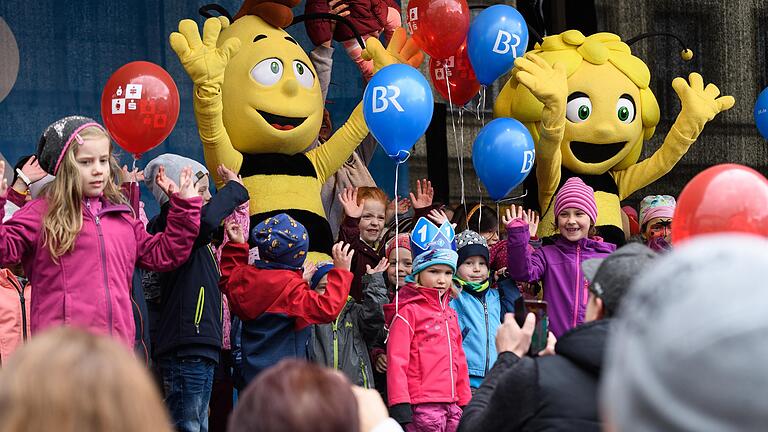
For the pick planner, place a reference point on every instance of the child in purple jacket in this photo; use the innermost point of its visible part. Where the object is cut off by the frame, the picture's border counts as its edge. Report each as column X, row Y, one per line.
column 558, row 265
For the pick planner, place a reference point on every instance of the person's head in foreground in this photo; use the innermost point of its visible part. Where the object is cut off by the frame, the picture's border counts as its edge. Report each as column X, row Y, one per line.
column 67, row 380
column 610, row 278
column 296, row 396
column 690, row 347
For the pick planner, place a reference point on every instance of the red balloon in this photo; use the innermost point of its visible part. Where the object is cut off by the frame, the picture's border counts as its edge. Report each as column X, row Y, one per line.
column 439, row 27
column 140, row 106
column 461, row 77
column 723, row 198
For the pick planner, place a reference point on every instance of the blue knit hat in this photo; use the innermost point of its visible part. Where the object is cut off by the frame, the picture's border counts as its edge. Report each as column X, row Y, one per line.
column 281, row 240
column 433, row 257
column 322, row 270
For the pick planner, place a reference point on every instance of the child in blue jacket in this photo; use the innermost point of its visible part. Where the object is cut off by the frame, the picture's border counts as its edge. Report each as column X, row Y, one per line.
column 478, row 305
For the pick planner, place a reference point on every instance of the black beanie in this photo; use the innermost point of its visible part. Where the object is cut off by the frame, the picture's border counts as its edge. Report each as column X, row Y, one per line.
column 56, row 139
column 469, row 244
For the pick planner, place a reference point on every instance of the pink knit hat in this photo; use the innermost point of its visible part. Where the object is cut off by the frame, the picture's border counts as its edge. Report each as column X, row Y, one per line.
column 575, row 194
column 403, row 241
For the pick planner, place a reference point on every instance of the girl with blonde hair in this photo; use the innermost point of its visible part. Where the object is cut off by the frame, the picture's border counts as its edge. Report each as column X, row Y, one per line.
column 79, row 242
column 70, row 381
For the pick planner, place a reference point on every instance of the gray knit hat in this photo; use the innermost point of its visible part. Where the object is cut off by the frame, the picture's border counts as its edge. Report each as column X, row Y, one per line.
column 57, row 138
column 173, row 164
column 611, row 277
column 690, row 347
column 469, row 244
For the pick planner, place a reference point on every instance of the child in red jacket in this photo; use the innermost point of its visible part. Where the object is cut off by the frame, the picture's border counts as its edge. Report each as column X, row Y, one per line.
column 427, row 376
column 277, row 306
column 370, row 18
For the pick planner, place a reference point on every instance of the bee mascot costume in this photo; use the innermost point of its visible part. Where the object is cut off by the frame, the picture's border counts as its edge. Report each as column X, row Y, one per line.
column 587, row 104
column 258, row 106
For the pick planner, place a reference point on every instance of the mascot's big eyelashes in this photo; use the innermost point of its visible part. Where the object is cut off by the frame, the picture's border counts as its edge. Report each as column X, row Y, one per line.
column 588, row 105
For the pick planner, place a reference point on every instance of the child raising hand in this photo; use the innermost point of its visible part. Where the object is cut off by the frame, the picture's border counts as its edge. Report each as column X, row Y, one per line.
column 79, row 242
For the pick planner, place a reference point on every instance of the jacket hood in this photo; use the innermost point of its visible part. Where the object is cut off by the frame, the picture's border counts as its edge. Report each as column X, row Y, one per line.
column 585, row 345
column 413, row 293
column 5, row 275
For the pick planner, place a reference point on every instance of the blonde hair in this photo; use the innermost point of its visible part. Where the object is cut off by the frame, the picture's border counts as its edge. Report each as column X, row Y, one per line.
column 67, row 380
column 64, row 218
column 571, row 48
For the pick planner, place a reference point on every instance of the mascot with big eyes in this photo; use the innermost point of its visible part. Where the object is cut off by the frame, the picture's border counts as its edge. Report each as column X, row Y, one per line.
column 258, row 105
column 588, row 106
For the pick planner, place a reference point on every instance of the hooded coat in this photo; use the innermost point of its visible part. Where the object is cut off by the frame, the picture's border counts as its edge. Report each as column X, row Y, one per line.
column 425, row 358
column 342, row 343
column 558, row 266
column 552, row 393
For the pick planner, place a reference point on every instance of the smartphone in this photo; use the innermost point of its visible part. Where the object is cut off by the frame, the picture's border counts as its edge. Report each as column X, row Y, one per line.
column 539, row 308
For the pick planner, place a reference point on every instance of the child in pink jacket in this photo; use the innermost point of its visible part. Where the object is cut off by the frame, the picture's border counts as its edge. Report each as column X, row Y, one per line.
column 79, row 242
column 427, row 375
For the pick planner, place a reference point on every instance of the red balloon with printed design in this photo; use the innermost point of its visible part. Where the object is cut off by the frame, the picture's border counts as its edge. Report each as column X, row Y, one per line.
column 140, row 106
column 461, row 79
column 727, row 198
column 439, row 27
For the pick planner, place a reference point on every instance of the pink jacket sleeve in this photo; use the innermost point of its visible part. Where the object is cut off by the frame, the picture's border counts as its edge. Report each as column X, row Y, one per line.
column 168, row 250
column 19, row 234
column 398, row 359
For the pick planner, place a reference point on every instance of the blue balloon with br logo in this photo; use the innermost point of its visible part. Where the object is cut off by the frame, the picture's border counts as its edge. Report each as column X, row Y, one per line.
column 761, row 113
column 503, row 155
column 397, row 106
column 496, row 37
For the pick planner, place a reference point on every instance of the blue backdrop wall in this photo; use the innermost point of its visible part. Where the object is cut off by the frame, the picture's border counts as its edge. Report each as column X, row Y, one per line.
column 68, row 50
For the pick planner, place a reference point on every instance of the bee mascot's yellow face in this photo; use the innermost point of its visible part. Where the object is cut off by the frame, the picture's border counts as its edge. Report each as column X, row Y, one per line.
column 610, row 109
column 271, row 96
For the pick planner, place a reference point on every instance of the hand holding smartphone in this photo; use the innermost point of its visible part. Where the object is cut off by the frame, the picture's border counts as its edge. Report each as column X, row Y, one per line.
column 539, row 309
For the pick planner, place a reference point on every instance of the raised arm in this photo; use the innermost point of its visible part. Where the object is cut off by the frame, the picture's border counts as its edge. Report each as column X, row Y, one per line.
column 329, row 157
column 699, row 105
column 205, row 64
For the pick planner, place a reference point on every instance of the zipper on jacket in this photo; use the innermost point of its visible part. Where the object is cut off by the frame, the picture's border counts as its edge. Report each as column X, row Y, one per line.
column 335, row 328
column 103, row 266
column 487, row 338
column 365, row 376
column 577, row 302
column 23, row 301
column 199, row 309
column 450, row 349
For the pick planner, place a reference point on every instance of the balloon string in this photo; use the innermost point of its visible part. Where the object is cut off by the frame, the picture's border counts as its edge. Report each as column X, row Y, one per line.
column 459, row 153
column 480, row 209
column 482, row 97
column 397, row 244
column 498, row 220
column 479, row 103
column 461, row 160
column 525, row 194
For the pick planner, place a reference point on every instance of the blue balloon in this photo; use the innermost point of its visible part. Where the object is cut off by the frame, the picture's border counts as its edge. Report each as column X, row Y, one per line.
column 503, row 155
column 496, row 37
column 761, row 113
column 397, row 106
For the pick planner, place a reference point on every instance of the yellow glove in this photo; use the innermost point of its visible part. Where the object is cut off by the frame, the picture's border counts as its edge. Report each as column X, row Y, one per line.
column 401, row 49
column 698, row 104
column 549, row 84
column 201, row 59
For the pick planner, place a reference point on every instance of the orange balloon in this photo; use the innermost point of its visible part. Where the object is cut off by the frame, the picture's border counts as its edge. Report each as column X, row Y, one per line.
column 723, row 198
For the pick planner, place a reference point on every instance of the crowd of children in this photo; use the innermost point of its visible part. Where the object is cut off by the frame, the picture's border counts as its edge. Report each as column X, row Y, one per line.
column 417, row 324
